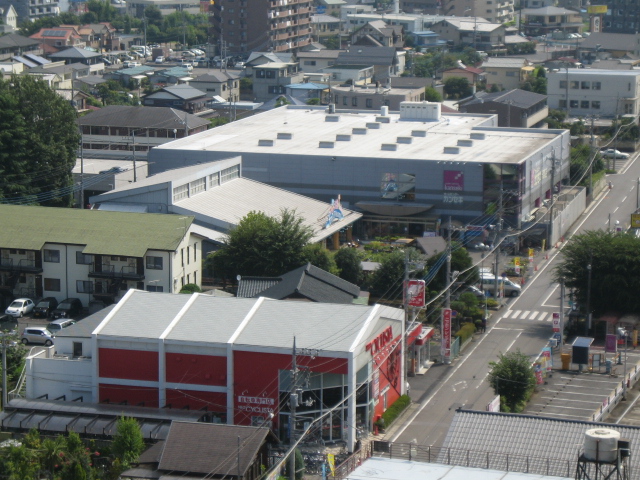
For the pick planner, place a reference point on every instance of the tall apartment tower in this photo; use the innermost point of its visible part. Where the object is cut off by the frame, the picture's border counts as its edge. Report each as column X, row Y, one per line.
column 495, row 11
column 243, row 26
column 623, row 16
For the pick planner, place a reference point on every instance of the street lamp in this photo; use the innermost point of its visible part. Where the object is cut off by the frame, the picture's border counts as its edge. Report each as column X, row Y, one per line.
column 175, row 133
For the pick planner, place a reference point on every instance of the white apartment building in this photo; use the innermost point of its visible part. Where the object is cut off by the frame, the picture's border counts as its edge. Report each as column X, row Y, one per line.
column 606, row 93
column 94, row 255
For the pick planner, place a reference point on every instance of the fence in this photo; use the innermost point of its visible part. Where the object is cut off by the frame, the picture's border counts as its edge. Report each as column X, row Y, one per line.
column 614, row 398
column 475, row 459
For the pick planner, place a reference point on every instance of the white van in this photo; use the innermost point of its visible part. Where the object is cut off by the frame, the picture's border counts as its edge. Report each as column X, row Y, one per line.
column 510, row 289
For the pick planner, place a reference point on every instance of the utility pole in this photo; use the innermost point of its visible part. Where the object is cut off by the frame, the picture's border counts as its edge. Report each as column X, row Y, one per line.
column 591, row 158
column 638, row 194
column 4, row 371
column 496, row 286
column 293, row 403
column 82, row 174
column 561, row 312
column 133, row 134
column 447, row 301
column 553, row 187
column 589, row 296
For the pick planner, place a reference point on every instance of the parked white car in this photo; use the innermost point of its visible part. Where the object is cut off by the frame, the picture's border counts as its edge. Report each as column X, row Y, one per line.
column 20, row 307
column 160, row 59
column 130, row 64
column 613, row 153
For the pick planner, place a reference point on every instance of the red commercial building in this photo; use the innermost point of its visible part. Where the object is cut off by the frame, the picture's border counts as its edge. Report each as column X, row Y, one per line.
column 233, row 357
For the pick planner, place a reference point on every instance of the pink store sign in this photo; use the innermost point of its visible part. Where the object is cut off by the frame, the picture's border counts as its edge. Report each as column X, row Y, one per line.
column 453, row 181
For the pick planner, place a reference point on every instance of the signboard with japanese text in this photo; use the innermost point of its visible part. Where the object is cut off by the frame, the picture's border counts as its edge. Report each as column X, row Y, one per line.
column 635, row 220
column 416, row 293
column 494, row 405
column 446, row 332
column 453, row 181
column 556, row 322
column 548, row 358
column 596, row 9
column 537, row 370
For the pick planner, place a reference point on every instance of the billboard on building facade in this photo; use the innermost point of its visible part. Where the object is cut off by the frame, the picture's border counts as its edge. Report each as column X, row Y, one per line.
column 596, row 9
column 453, row 181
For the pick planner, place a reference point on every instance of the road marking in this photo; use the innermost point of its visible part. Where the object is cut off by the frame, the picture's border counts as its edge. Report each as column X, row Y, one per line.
column 510, row 329
column 616, row 209
column 533, row 315
column 524, row 315
column 518, row 312
column 624, row 199
column 550, row 293
column 507, row 314
column 544, row 314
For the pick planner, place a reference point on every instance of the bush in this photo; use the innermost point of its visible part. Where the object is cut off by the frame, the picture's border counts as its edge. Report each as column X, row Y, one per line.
column 466, row 331
column 190, row 288
column 395, row 410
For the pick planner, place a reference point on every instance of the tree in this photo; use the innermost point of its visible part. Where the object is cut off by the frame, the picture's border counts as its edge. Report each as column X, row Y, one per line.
column 349, row 264
column 190, row 288
column 460, row 261
column 299, row 466
column 386, row 281
column 38, row 143
column 432, row 95
column 128, row 442
column 313, row 101
column 320, row 257
column 262, row 245
column 614, row 260
column 457, row 87
column 513, row 379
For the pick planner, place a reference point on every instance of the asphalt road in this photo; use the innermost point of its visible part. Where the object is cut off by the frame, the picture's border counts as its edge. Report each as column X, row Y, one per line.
column 524, row 324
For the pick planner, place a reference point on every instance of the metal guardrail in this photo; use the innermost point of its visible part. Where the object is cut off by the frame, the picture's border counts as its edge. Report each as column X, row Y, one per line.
column 475, row 459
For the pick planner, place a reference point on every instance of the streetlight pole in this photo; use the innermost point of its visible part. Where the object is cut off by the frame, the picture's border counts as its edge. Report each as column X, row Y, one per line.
column 588, row 298
column 624, row 379
column 4, row 371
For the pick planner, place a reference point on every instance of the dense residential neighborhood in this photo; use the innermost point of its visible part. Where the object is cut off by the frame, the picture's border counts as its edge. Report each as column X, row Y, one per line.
column 319, row 238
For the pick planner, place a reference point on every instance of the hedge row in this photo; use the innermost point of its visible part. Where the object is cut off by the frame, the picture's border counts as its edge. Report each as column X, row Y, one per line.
column 396, row 409
column 466, row 331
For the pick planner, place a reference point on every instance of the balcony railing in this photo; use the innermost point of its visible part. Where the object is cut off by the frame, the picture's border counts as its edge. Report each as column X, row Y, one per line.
column 23, row 265
column 102, row 270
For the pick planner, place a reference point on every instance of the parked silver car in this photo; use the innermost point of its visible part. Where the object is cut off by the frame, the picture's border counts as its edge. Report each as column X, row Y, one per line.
column 38, row 335
column 20, row 307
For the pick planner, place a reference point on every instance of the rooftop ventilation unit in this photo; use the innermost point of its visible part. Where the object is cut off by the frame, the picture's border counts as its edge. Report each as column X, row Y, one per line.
column 477, row 136
column 285, row 136
column 389, row 146
column 418, row 133
column 359, row 131
column 383, row 119
column 452, row 150
column 265, row 143
column 332, row 118
column 429, row 111
column 404, row 140
column 465, row 143
column 373, row 125
column 343, row 138
column 384, row 110
column 325, row 144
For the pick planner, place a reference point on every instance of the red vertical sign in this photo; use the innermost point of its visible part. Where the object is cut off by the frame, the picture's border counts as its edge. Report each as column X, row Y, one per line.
column 446, row 332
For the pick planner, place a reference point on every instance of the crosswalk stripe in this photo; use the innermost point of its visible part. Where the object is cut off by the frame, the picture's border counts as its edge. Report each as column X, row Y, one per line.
column 533, row 315
column 542, row 317
column 518, row 312
column 524, row 315
column 507, row 314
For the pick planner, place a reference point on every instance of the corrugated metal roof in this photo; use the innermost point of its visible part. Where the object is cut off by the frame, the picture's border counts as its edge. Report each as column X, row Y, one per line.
column 103, row 233
column 146, row 315
column 211, row 319
column 249, row 287
column 393, row 469
column 527, row 436
column 141, row 117
column 233, row 200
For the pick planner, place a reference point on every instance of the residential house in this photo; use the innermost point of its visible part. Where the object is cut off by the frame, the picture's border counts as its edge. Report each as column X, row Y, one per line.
column 55, row 39
column 207, row 450
column 95, row 256
column 379, row 34
column 472, row 74
column 474, row 32
column 308, row 90
column 506, row 73
column 67, row 73
column 515, row 108
column 181, row 97
column 386, row 61
column 409, row 22
column 225, row 85
column 13, row 44
column 136, row 74
column 98, row 35
column 427, row 39
column 54, row 80
column 271, row 79
column 260, row 58
column 430, row 246
column 306, row 283
column 315, row 61
column 605, row 93
column 80, row 55
column 349, row 9
column 9, row 19
column 546, row 20
column 374, row 97
column 10, row 67
column 324, row 26
column 330, row 7
column 608, row 45
column 116, row 131
column 161, row 77
column 353, row 74
column 218, row 195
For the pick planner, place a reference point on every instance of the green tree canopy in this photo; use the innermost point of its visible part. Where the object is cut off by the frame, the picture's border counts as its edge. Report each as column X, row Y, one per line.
column 348, row 263
column 190, row 288
column 320, row 257
column 38, row 143
column 386, row 281
column 128, row 442
column 614, row 259
column 262, row 245
column 457, row 87
column 432, row 95
column 513, row 379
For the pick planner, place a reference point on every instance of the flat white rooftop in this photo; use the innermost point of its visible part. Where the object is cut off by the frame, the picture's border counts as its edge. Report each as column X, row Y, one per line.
column 295, row 130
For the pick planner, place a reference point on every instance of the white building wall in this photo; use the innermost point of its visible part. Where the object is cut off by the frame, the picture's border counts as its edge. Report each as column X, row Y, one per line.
column 46, row 375
column 187, row 263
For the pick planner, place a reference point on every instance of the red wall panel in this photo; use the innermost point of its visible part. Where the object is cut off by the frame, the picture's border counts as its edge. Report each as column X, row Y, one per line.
column 388, row 361
column 129, row 364
column 256, row 376
column 212, row 401
column 133, row 395
column 196, row 369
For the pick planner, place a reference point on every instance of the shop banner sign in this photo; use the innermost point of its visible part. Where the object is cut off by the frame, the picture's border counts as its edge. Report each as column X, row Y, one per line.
column 611, row 343
column 494, row 405
column 446, row 332
column 416, row 293
column 556, row 322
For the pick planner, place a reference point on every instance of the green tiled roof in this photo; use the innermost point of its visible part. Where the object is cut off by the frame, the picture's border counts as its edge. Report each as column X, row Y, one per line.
column 104, row 233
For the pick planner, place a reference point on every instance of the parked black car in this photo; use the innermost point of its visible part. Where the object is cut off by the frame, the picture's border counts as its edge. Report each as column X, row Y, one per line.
column 68, row 308
column 45, row 307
